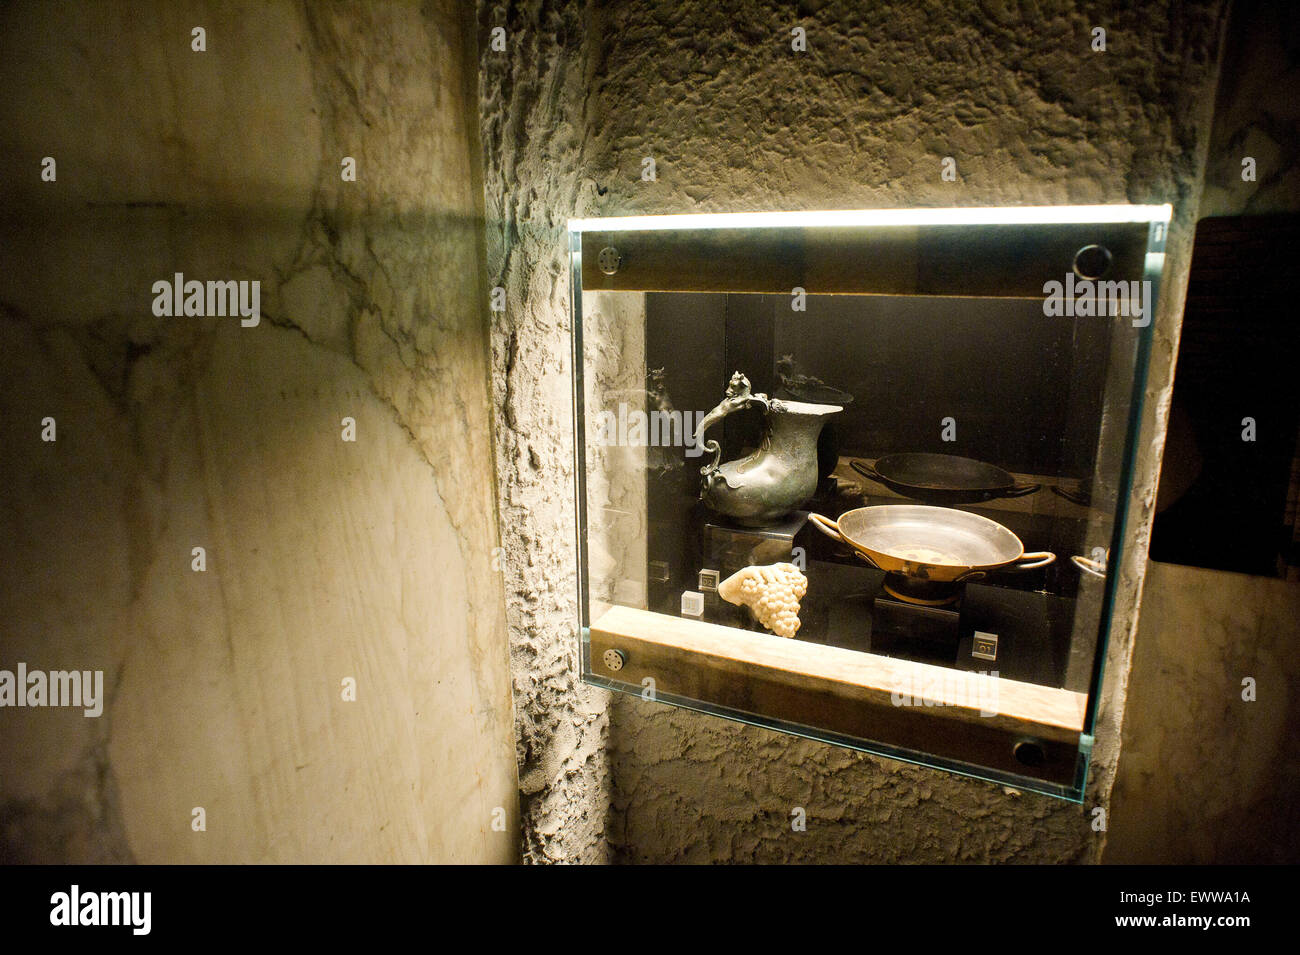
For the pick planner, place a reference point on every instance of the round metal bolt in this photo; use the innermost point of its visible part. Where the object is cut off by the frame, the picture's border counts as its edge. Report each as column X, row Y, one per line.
column 614, row 659
column 1092, row 262
column 609, row 260
column 1030, row 752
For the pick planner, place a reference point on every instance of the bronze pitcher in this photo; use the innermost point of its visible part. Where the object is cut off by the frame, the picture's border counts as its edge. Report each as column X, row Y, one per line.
column 760, row 489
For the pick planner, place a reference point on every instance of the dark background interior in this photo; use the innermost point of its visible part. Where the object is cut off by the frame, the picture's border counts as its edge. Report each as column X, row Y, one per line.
column 1025, row 389
column 1224, row 502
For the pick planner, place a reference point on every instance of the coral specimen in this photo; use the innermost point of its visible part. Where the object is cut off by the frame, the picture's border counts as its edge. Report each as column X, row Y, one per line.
column 771, row 593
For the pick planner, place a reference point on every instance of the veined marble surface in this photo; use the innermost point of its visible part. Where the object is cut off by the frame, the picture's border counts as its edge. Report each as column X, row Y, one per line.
column 327, row 559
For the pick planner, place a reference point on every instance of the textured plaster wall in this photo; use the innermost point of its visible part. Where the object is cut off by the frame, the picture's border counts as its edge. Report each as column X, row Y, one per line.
column 533, row 130
column 737, row 121
column 325, row 559
column 1206, row 776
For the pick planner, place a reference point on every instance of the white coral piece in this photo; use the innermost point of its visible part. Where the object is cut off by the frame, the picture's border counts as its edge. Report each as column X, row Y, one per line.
column 771, row 593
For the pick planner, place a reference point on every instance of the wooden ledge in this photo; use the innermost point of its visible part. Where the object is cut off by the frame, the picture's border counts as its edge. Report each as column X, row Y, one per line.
column 932, row 709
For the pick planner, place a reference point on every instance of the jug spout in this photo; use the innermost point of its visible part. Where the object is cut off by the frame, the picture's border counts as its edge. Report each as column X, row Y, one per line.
column 809, row 409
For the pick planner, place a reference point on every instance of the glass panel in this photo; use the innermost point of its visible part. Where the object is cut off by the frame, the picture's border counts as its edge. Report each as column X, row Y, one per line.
column 882, row 520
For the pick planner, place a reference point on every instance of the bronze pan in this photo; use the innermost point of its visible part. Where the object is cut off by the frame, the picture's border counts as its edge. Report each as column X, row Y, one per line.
column 943, row 478
column 930, row 543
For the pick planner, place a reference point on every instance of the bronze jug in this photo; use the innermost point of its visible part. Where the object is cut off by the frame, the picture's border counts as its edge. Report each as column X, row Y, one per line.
column 760, row 489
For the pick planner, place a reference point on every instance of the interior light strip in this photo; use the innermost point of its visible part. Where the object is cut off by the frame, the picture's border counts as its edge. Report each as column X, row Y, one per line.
column 994, row 215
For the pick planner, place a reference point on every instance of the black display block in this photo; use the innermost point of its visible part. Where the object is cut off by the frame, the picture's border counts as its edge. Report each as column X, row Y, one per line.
column 729, row 547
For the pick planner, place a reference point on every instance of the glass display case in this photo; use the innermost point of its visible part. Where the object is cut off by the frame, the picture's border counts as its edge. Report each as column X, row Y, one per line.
column 861, row 476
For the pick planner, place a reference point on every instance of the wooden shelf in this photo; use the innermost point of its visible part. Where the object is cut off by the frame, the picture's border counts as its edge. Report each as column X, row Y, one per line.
column 942, row 711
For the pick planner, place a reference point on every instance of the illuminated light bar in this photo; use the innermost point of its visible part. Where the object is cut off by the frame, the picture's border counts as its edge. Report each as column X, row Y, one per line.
column 993, row 215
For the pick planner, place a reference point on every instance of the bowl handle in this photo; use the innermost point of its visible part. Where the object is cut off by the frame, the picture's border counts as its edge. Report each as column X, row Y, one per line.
column 1090, row 567
column 827, row 527
column 832, row 530
column 866, row 470
column 1039, row 558
column 1020, row 490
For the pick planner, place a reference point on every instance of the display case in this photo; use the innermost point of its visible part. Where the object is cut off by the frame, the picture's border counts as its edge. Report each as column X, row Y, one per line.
column 862, row 476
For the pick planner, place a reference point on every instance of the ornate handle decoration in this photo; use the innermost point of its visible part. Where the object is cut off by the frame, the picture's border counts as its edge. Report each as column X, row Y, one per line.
column 738, row 396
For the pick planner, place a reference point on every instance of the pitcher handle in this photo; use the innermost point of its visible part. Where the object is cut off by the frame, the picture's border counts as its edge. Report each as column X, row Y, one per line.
column 738, row 396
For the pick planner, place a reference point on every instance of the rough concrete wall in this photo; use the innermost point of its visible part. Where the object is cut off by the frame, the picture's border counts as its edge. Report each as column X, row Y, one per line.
column 533, row 128
column 737, row 121
column 1208, row 777
column 325, row 558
